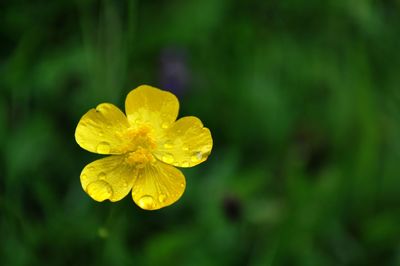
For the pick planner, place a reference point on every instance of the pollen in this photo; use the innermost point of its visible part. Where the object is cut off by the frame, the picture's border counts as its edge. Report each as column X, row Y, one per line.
column 138, row 138
column 140, row 158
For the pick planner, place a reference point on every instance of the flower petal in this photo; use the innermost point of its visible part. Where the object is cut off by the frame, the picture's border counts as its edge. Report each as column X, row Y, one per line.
column 108, row 178
column 186, row 144
column 158, row 185
column 99, row 130
column 153, row 106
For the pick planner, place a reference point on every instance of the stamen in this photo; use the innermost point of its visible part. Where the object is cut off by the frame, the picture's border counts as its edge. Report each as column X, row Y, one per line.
column 140, row 157
column 138, row 137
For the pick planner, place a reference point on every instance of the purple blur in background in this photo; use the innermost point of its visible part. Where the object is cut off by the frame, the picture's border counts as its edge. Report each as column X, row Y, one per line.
column 174, row 74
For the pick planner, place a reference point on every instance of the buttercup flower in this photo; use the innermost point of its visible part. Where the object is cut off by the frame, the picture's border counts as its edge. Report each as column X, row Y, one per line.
column 144, row 148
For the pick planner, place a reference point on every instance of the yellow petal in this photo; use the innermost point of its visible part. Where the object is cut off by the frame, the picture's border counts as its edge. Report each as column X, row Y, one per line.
column 186, row 144
column 101, row 130
column 149, row 105
column 108, row 178
column 158, row 185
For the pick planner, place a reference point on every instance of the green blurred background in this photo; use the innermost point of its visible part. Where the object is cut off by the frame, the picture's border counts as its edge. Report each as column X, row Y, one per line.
column 302, row 98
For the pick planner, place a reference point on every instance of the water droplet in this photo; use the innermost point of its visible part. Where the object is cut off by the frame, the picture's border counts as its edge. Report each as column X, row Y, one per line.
column 168, row 145
column 124, row 183
column 103, row 147
column 165, row 125
column 90, row 168
column 99, row 190
column 185, row 148
column 182, row 184
column 168, row 158
column 196, row 157
column 83, row 176
column 207, row 147
column 102, row 176
column 185, row 164
column 162, row 197
column 103, row 232
column 146, row 202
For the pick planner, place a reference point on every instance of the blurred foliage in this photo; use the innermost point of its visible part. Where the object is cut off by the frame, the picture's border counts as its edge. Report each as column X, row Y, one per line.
column 302, row 98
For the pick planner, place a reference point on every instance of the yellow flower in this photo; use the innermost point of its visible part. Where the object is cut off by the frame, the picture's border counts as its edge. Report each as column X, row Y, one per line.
column 144, row 145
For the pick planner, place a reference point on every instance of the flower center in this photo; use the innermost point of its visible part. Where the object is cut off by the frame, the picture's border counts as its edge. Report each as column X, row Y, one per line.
column 138, row 152
column 140, row 157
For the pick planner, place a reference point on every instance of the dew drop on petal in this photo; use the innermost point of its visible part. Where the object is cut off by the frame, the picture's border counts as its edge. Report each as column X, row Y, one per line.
column 185, row 148
column 165, row 125
column 185, row 164
column 168, row 145
column 103, row 147
column 146, row 202
column 182, row 184
column 99, row 190
column 207, row 147
column 168, row 158
column 196, row 157
column 102, row 176
column 162, row 198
